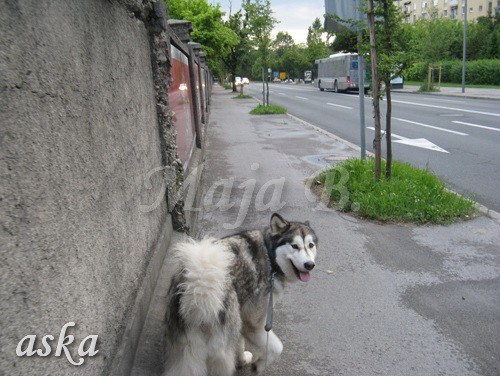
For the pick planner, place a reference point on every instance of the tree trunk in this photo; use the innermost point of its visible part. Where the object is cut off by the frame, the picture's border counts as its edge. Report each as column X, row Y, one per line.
column 376, row 91
column 267, row 91
column 388, row 130
column 263, row 87
column 233, row 83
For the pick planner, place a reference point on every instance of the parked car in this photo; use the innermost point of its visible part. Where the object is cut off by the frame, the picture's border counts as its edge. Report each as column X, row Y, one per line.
column 237, row 81
column 245, row 81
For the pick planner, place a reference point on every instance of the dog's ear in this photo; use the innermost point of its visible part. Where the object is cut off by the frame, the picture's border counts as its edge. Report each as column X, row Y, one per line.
column 278, row 224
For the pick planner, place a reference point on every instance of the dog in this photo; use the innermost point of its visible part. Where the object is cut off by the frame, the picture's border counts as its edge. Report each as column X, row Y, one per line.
column 220, row 294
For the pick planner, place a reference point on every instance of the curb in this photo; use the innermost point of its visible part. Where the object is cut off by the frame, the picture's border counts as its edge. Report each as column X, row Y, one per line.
column 449, row 95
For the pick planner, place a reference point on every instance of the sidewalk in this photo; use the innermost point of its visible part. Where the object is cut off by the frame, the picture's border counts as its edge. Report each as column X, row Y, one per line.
column 383, row 299
column 454, row 92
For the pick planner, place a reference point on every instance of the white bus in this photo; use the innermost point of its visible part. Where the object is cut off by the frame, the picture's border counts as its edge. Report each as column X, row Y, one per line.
column 339, row 73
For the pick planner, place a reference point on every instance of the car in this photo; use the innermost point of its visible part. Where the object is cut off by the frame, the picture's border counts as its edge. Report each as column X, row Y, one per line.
column 245, row 81
column 237, row 81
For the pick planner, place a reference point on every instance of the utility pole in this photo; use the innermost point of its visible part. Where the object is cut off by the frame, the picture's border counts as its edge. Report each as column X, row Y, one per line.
column 464, row 58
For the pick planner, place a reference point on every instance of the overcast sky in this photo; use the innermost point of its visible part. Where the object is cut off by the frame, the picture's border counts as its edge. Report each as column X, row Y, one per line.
column 295, row 16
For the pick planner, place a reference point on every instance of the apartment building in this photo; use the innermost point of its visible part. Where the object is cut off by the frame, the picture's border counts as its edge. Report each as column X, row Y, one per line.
column 454, row 9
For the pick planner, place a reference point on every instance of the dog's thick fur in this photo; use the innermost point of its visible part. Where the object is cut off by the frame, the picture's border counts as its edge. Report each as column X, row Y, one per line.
column 218, row 298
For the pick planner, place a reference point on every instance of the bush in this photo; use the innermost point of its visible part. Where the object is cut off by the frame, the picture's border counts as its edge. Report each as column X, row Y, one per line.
column 480, row 72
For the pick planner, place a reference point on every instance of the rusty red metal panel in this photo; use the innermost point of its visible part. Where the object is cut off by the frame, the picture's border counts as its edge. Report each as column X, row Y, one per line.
column 180, row 101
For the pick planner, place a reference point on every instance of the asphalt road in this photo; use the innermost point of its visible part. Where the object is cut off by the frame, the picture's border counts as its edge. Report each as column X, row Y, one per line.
column 457, row 138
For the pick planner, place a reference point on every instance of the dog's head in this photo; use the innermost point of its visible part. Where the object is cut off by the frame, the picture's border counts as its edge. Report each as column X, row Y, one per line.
column 295, row 248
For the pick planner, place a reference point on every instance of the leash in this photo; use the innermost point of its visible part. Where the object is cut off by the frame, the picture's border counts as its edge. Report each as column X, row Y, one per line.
column 269, row 318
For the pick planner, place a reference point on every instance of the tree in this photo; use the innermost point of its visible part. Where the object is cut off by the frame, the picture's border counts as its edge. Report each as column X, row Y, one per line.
column 392, row 57
column 346, row 40
column 316, row 47
column 208, row 27
column 375, row 88
column 233, row 60
column 260, row 24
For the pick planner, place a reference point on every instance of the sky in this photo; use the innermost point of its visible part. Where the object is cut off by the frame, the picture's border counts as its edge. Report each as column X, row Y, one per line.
column 295, row 16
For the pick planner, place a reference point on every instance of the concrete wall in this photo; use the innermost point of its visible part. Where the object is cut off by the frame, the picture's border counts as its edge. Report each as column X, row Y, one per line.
column 84, row 123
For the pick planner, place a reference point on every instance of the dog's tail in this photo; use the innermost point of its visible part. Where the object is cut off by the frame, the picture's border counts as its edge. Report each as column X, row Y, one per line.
column 205, row 266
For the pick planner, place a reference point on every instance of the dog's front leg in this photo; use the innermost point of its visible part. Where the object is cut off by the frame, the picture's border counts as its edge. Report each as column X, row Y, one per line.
column 243, row 357
column 271, row 348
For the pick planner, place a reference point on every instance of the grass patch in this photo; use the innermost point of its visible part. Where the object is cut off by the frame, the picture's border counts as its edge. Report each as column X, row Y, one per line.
column 243, row 96
column 448, row 84
column 268, row 110
column 227, row 87
column 411, row 195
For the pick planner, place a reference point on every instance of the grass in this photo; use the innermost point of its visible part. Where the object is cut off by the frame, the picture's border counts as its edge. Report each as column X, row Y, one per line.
column 411, row 195
column 268, row 110
column 227, row 87
column 243, row 96
column 448, row 84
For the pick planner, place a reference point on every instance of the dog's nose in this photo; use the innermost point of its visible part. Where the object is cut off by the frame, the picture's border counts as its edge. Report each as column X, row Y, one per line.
column 309, row 265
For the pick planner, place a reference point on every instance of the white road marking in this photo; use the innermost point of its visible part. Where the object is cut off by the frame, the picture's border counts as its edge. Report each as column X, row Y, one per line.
column 339, row 105
column 448, row 108
column 431, row 126
column 281, row 93
column 301, row 98
column 476, row 125
column 417, row 142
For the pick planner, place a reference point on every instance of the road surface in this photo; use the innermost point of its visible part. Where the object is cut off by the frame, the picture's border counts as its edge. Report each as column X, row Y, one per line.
column 457, row 138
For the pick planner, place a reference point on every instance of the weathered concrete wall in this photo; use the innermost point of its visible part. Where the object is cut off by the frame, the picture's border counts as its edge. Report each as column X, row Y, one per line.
column 79, row 133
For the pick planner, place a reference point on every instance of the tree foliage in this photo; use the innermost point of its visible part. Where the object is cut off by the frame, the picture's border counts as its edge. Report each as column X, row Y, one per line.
column 236, row 59
column 259, row 16
column 209, row 29
column 439, row 39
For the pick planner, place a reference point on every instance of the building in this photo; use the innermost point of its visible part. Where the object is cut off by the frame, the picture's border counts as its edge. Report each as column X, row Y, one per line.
column 453, row 9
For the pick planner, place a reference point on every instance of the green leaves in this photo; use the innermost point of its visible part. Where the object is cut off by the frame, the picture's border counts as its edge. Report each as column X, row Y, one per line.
column 208, row 27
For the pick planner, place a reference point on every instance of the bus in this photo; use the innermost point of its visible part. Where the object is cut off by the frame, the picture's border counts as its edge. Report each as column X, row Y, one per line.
column 339, row 73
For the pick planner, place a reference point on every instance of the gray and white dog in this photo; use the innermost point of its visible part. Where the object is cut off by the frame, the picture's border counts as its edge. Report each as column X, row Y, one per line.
column 220, row 292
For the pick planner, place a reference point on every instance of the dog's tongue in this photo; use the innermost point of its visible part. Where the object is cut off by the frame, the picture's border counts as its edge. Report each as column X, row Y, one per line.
column 304, row 276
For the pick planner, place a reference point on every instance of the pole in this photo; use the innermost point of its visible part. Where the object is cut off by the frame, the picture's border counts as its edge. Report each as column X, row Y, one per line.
column 361, row 84
column 465, row 46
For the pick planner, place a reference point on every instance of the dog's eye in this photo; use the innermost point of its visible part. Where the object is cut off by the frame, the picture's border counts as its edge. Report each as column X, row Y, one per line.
column 311, row 245
column 295, row 246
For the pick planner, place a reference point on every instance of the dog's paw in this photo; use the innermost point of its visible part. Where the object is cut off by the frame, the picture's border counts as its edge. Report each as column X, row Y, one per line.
column 244, row 360
column 247, row 357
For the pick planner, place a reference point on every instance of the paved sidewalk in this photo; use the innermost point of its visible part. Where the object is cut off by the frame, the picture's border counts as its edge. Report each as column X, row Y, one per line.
column 455, row 92
column 383, row 299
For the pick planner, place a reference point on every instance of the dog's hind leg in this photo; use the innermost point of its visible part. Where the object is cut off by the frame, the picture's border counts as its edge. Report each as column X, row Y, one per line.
column 187, row 356
column 271, row 348
column 222, row 364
